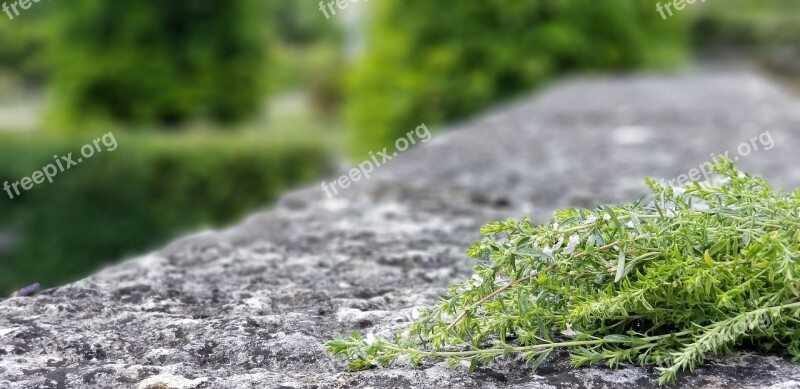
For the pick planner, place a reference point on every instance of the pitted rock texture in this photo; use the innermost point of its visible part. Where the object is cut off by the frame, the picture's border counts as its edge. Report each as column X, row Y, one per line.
column 251, row 306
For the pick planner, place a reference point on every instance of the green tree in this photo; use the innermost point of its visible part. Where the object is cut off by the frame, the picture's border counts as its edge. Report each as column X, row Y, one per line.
column 159, row 61
column 435, row 61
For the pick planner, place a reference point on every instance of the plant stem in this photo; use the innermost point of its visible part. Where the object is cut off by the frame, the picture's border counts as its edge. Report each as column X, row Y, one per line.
column 648, row 339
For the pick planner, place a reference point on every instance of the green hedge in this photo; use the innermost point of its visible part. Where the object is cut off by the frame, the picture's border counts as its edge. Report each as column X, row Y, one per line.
column 436, row 61
column 158, row 61
column 134, row 198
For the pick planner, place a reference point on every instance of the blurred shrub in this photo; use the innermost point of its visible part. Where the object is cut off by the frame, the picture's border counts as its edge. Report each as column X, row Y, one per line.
column 23, row 49
column 146, row 191
column 306, row 53
column 299, row 23
column 158, row 61
column 324, row 79
column 747, row 24
column 764, row 30
column 435, row 61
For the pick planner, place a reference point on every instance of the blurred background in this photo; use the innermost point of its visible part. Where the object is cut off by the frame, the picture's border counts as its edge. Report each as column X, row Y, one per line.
column 220, row 106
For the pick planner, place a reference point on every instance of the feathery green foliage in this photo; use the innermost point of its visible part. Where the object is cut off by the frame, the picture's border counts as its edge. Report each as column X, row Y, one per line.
column 683, row 274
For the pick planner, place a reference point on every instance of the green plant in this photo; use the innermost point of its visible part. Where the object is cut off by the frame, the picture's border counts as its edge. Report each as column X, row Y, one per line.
column 668, row 280
column 438, row 61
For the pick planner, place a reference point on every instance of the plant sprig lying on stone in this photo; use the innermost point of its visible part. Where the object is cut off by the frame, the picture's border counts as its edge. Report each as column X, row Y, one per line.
column 669, row 280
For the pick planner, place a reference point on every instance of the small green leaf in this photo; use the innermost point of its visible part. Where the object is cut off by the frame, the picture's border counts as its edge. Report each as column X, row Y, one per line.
column 635, row 221
column 473, row 363
column 620, row 265
column 522, row 301
column 533, row 253
column 540, row 359
column 617, row 338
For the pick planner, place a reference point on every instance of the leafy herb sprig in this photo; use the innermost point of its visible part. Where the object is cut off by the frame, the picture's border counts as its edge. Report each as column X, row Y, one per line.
column 679, row 275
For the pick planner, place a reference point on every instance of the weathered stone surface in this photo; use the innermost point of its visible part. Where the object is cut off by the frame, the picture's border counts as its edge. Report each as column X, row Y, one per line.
column 251, row 306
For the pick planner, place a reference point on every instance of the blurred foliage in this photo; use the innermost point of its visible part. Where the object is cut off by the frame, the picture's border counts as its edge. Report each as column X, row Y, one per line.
column 300, row 23
column 148, row 190
column 747, row 24
column 306, row 53
column 438, row 61
column 24, row 41
column 158, row 61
